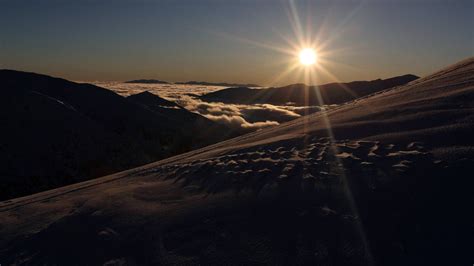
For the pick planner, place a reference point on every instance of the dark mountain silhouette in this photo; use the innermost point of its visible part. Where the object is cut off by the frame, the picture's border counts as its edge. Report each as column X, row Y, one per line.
column 147, row 81
column 153, row 101
column 224, row 84
column 65, row 132
column 302, row 95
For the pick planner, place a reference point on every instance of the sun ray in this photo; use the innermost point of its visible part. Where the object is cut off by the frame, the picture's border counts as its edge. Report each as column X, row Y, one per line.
column 305, row 46
column 347, row 89
column 347, row 190
column 289, row 70
column 294, row 46
column 337, row 31
column 295, row 22
column 310, row 78
column 254, row 43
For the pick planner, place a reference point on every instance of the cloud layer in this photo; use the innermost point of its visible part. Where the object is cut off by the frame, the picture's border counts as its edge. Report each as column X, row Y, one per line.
column 237, row 116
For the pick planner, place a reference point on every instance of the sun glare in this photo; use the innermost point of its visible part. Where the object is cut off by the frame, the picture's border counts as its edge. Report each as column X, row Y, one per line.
column 308, row 56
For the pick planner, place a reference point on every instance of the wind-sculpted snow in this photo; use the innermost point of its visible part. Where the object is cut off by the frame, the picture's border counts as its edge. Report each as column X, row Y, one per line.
column 309, row 164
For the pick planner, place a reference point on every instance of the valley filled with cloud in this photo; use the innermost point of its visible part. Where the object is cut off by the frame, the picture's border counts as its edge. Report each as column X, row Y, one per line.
column 237, row 116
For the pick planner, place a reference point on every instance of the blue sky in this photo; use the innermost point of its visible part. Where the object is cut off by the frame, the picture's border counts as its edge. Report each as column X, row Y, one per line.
column 233, row 41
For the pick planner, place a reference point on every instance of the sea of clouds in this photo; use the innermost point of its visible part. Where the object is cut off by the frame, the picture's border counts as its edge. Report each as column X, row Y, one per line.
column 241, row 116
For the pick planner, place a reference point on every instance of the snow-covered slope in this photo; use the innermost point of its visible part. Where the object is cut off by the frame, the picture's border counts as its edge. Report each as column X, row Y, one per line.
column 385, row 180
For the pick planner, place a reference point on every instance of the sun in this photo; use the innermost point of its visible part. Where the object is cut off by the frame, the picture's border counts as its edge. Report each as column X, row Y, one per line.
column 308, row 57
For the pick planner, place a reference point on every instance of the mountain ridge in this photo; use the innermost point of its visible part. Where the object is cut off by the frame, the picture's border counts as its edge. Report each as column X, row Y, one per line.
column 303, row 95
column 147, row 81
column 223, row 84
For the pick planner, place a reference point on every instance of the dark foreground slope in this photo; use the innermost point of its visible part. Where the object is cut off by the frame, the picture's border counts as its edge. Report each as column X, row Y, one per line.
column 56, row 132
column 303, row 95
column 384, row 180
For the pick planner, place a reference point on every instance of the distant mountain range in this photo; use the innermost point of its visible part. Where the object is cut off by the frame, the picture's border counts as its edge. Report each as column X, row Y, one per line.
column 57, row 132
column 303, row 95
column 223, row 84
column 202, row 83
column 147, row 81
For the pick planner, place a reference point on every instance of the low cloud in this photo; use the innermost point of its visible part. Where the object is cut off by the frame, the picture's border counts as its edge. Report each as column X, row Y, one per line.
column 237, row 116
column 240, row 122
column 215, row 109
column 278, row 110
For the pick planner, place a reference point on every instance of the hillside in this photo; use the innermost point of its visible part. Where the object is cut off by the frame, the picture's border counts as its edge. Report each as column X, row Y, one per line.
column 382, row 180
column 303, row 95
column 57, row 132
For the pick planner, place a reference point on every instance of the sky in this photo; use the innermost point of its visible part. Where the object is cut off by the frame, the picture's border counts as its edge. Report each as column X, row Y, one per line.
column 240, row 41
